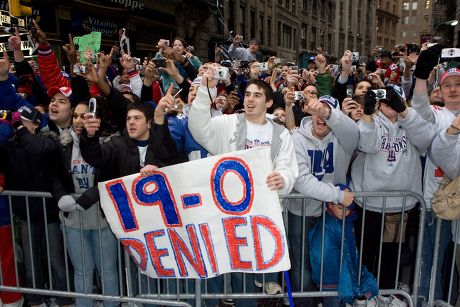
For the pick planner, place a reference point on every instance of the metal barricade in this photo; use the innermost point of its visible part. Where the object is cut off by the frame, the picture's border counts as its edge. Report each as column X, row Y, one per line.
column 444, row 291
column 133, row 287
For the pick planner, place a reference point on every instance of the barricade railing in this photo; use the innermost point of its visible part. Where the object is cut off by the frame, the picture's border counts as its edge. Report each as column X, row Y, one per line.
column 133, row 287
column 446, row 263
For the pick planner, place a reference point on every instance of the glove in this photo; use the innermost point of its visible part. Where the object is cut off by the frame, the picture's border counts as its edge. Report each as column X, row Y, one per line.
column 68, row 204
column 394, row 101
column 16, row 120
column 369, row 102
column 427, row 60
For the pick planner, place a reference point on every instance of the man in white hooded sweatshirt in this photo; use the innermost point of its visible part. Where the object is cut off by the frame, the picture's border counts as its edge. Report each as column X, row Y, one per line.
column 324, row 144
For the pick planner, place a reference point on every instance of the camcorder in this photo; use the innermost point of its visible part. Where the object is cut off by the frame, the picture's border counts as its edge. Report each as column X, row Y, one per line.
column 380, row 94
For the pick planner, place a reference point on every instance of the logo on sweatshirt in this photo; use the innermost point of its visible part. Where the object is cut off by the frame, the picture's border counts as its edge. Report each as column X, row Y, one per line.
column 322, row 161
column 393, row 146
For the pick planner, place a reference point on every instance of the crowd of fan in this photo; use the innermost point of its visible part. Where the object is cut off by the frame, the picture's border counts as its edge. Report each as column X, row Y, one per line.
column 361, row 125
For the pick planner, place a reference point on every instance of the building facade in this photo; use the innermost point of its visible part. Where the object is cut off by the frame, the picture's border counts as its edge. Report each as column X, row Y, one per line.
column 415, row 24
column 290, row 29
column 387, row 16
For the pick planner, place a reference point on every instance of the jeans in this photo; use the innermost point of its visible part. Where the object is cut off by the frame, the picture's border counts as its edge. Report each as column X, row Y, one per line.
column 35, row 258
column 295, row 241
column 86, row 258
column 427, row 255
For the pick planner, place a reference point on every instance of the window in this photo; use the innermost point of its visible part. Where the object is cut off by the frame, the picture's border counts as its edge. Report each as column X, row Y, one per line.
column 414, row 5
column 253, row 24
column 425, row 18
column 313, row 38
column 303, row 36
column 403, row 34
column 414, row 20
column 427, row 4
column 279, row 32
column 406, row 6
column 304, row 5
column 269, row 31
column 287, row 37
column 261, row 29
column 314, row 7
column 231, row 14
column 405, row 20
column 242, row 21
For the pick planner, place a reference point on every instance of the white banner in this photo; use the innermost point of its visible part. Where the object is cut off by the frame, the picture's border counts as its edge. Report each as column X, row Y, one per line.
column 201, row 218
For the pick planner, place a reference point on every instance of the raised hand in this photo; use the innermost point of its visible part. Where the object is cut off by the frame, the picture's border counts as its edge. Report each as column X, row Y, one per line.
column 14, row 42
column 70, row 50
column 42, row 38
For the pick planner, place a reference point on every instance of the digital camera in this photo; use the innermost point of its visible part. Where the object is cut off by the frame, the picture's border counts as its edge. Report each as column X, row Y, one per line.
column 221, row 73
column 450, row 53
column 79, row 69
column 263, row 66
column 298, row 96
column 349, row 90
column 159, row 62
column 380, row 94
column 355, row 56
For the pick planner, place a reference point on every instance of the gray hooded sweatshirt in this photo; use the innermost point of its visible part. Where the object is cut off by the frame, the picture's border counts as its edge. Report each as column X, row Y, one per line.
column 389, row 159
column 323, row 163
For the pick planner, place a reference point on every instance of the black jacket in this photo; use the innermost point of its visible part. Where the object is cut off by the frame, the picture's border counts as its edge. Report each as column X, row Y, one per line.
column 30, row 159
column 121, row 154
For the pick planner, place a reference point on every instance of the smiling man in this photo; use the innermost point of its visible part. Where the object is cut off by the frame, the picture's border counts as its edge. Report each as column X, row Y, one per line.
column 227, row 133
column 324, row 144
column 60, row 108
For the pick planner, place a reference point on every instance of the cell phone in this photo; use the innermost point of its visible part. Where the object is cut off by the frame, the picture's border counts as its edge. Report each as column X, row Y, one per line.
column 349, row 90
column 190, row 49
column 277, row 61
column 159, row 62
column 92, row 106
column 166, row 42
column 450, row 53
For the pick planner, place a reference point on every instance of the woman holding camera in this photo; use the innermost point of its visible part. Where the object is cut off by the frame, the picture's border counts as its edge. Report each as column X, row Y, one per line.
column 390, row 144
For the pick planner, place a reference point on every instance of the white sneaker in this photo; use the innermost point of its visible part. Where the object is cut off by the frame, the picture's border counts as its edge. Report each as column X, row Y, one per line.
column 358, row 302
column 273, row 288
column 373, row 302
column 384, row 301
column 15, row 304
column 396, row 302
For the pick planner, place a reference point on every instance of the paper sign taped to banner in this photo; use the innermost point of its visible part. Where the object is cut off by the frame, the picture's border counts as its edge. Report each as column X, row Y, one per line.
column 201, row 218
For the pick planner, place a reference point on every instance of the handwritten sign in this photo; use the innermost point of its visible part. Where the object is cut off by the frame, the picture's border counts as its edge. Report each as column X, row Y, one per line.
column 201, row 218
column 89, row 42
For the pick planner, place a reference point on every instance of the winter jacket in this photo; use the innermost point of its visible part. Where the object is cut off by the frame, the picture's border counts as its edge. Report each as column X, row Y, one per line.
column 49, row 68
column 323, row 163
column 180, row 133
column 345, row 281
column 441, row 117
column 389, row 155
column 31, row 156
column 227, row 133
column 10, row 99
column 121, row 154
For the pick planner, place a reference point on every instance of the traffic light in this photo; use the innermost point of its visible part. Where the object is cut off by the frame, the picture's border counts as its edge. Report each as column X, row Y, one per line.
column 18, row 10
